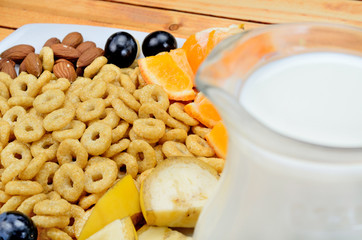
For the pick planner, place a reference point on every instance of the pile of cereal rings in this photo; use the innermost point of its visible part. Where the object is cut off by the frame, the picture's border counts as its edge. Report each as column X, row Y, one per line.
column 63, row 144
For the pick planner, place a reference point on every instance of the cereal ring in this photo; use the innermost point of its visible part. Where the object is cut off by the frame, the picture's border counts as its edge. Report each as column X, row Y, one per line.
column 154, row 93
column 149, row 128
column 6, row 79
column 58, row 119
column 120, row 131
column 23, row 101
column 159, row 154
column 106, row 76
column 95, row 89
column 200, row 131
column 216, row 163
column 60, row 83
column 109, row 95
column 27, row 205
column 198, row 146
column 143, row 176
column 49, row 101
column 57, row 234
column 89, row 201
column 108, row 117
column 78, row 85
column 74, row 129
column 52, row 207
column 5, row 130
column 171, row 148
column 92, row 69
column 112, row 68
column 13, row 115
column 72, row 100
column 90, row 109
column 12, row 204
column 148, row 159
column 132, row 73
column 76, row 215
column 29, row 129
column 128, row 98
column 97, row 138
column 44, row 78
column 34, row 167
column 127, row 83
column 176, row 110
column 100, row 176
column 24, row 85
column 133, row 136
column 149, row 109
column 53, row 195
column 50, row 221
column 68, row 181
column 23, row 188
column 45, row 175
column 4, row 106
column 13, row 170
column 4, row 91
column 46, row 145
column 47, row 57
column 13, row 152
column 129, row 161
column 123, row 111
column 117, row 148
column 72, row 151
column 79, row 224
column 141, row 81
column 4, row 197
column 177, row 135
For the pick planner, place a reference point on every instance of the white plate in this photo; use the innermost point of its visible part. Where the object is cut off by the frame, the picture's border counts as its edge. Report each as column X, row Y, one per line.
column 37, row 34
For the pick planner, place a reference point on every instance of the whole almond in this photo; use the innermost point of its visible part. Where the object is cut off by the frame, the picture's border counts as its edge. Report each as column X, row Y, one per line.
column 64, row 70
column 88, row 56
column 22, row 67
column 73, row 39
column 18, row 52
column 64, row 51
column 51, row 41
column 85, row 45
column 64, row 60
column 8, row 67
column 33, row 64
column 5, row 60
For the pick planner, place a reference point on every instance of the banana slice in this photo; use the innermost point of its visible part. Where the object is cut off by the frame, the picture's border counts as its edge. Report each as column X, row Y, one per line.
column 160, row 233
column 175, row 192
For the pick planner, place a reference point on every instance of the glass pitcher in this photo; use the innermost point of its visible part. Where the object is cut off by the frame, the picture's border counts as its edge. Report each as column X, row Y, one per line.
column 278, row 185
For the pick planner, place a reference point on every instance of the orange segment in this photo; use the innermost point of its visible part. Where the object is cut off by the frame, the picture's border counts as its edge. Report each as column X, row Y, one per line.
column 171, row 71
column 199, row 45
column 218, row 139
column 203, row 110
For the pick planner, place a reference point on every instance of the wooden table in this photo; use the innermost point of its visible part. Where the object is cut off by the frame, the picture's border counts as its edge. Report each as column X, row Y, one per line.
column 181, row 18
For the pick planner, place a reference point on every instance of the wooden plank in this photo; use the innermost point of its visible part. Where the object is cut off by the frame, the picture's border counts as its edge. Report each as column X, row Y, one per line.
column 267, row 11
column 4, row 32
column 103, row 13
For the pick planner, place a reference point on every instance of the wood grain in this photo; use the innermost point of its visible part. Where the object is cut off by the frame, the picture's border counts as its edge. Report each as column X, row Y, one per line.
column 267, row 11
column 103, row 13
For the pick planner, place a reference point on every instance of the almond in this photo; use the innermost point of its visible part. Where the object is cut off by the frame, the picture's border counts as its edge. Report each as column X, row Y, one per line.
column 79, row 71
column 8, row 67
column 18, row 52
column 33, row 64
column 64, row 51
column 22, row 67
column 64, row 60
column 88, row 56
column 85, row 45
column 64, row 70
column 5, row 60
column 51, row 41
column 73, row 39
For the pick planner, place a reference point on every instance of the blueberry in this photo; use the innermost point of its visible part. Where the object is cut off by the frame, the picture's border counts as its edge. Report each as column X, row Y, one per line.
column 17, row 226
column 121, row 49
column 156, row 42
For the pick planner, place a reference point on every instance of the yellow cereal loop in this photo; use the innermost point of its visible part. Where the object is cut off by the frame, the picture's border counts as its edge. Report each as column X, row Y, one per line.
column 4, row 91
column 23, row 188
column 149, row 156
column 49, row 101
column 73, row 130
column 47, row 56
column 27, row 205
column 46, row 145
column 29, row 129
column 95, row 66
column 97, row 138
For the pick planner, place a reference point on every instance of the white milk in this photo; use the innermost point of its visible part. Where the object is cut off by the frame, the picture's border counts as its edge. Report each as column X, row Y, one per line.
column 313, row 97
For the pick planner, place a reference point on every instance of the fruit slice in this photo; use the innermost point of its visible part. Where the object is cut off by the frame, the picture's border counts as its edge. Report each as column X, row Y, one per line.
column 160, row 233
column 171, row 71
column 118, row 229
column 176, row 190
column 203, row 110
column 218, row 139
column 120, row 201
column 199, row 45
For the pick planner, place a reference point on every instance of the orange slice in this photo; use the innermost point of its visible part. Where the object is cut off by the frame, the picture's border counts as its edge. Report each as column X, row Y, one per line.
column 199, row 45
column 171, row 71
column 203, row 110
column 218, row 139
